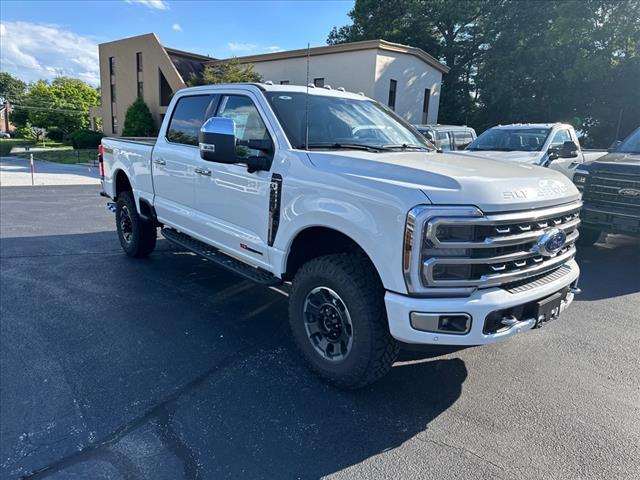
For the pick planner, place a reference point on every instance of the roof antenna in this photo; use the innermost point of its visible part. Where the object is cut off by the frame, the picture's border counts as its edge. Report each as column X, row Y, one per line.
column 306, row 106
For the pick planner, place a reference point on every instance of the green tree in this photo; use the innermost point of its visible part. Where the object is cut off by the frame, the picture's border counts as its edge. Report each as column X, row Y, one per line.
column 230, row 71
column 138, row 121
column 62, row 103
column 11, row 88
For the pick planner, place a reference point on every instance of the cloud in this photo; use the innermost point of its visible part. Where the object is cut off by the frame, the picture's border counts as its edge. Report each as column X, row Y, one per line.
column 273, row 48
column 241, row 47
column 33, row 51
column 176, row 27
column 152, row 4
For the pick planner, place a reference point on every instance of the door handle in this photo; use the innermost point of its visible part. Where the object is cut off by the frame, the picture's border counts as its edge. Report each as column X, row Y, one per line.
column 203, row 171
column 159, row 161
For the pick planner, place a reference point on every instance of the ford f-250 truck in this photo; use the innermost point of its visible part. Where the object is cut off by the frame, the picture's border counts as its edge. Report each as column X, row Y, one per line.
column 384, row 240
column 610, row 190
column 553, row 145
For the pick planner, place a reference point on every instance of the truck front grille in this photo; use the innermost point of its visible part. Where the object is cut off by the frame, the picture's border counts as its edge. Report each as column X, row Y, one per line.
column 607, row 189
column 496, row 249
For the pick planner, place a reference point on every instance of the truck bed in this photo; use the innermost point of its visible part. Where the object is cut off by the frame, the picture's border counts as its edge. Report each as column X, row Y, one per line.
column 144, row 140
column 132, row 156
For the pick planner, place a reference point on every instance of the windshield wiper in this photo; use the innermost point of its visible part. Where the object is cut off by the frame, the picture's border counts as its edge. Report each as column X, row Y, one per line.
column 405, row 146
column 345, row 146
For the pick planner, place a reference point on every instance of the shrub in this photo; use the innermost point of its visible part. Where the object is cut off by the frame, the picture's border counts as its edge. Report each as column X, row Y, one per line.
column 26, row 132
column 138, row 121
column 86, row 138
column 56, row 134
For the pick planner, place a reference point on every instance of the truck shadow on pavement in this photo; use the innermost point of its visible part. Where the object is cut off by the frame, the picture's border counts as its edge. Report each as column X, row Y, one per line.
column 171, row 367
column 609, row 269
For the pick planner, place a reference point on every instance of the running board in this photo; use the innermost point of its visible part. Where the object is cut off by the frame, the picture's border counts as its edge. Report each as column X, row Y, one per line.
column 258, row 275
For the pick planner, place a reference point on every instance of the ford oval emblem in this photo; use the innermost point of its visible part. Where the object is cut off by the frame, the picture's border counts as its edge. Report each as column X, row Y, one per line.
column 629, row 192
column 551, row 242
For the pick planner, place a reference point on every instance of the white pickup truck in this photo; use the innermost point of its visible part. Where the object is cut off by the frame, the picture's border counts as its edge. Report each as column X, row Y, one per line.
column 553, row 145
column 384, row 240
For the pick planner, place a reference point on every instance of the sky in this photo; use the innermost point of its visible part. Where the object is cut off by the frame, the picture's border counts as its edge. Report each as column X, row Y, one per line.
column 47, row 38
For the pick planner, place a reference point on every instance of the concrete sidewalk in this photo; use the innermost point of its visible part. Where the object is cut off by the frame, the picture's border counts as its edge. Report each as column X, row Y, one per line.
column 15, row 172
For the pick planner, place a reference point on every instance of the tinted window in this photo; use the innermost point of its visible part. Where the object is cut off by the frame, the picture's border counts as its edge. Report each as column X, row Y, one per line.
column 444, row 141
column 631, row 144
column 511, row 139
column 249, row 124
column 560, row 137
column 188, row 116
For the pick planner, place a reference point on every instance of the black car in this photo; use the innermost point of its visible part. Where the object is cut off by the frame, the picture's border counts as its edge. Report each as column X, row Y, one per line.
column 610, row 189
column 448, row 137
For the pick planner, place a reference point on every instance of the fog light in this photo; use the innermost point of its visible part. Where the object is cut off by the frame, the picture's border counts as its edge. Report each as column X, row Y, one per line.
column 452, row 323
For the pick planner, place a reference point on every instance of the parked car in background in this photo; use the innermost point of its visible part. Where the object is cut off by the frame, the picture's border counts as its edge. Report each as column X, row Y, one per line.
column 610, row 189
column 448, row 137
column 383, row 239
column 553, row 145
column 5, row 135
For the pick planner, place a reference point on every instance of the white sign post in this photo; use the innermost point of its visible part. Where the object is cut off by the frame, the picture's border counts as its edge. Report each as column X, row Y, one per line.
column 33, row 168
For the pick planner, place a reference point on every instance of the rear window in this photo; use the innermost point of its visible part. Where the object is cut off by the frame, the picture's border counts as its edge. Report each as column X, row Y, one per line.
column 188, row 116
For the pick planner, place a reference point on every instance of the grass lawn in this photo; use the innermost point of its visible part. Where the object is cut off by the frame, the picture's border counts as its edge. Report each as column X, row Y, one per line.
column 65, row 156
column 6, row 144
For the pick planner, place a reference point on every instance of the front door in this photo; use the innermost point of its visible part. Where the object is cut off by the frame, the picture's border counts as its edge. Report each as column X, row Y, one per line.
column 233, row 203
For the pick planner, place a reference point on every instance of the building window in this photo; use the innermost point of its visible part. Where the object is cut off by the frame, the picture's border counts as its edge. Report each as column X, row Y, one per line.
column 139, row 61
column 425, row 106
column 113, row 92
column 112, row 66
column 165, row 90
column 140, row 91
column 393, row 86
column 284, row 82
column 318, row 82
column 114, row 124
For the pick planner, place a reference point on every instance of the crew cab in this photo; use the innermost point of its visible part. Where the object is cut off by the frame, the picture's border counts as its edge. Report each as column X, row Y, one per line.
column 553, row 145
column 382, row 240
column 610, row 190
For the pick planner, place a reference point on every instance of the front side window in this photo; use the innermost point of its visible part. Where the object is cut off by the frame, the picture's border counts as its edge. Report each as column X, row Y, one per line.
column 444, row 140
column 187, row 119
column 631, row 144
column 340, row 122
column 511, row 139
column 559, row 138
column 247, row 119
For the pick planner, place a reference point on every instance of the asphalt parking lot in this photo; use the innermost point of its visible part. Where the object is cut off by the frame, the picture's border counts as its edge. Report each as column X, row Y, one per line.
column 171, row 368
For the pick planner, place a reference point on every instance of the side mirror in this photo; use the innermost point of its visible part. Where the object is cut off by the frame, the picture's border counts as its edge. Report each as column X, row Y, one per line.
column 217, row 140
column 569, row 150
column 218, row 143
column 614, row 146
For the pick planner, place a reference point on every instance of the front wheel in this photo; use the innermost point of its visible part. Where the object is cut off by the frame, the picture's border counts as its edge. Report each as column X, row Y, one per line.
column 137, row 236
column 338, row 320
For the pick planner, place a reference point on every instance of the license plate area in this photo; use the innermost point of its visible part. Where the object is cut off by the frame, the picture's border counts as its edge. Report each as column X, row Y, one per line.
column 548, row 308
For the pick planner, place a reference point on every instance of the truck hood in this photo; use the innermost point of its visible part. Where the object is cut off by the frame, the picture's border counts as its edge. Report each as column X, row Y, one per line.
column 618, row 162
column 450, row 179
column 520, row 157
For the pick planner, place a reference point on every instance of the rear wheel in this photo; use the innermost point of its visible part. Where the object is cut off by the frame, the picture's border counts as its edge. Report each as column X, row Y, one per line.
column 338, row 320
column 137, row 236
column 588, row 237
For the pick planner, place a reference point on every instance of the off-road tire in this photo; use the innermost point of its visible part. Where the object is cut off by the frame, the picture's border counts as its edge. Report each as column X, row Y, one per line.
column 373, row 349
column 588, row 237
column 139, row 239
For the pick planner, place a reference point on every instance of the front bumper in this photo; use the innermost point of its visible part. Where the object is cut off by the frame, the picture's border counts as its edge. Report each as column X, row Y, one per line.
column 479, row 305
column 612, row 220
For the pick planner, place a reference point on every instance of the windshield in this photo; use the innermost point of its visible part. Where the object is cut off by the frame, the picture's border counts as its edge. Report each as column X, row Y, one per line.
column 511, row 139
column 631, row 143
column 338, row 122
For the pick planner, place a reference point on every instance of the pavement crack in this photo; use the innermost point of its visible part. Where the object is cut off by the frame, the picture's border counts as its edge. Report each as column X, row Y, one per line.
column 159, row 411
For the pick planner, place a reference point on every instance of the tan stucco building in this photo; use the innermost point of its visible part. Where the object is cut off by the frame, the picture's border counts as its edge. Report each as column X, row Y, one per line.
column 403, row 77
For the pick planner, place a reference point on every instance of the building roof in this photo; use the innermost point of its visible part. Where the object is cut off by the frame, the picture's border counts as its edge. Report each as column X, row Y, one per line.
column 187, row 63
column 345, row 47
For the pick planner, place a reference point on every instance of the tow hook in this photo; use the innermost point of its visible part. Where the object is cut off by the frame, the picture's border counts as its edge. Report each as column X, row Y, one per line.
column 111, row 207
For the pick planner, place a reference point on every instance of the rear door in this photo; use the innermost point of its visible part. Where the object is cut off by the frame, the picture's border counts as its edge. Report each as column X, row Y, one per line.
column 175, row 159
